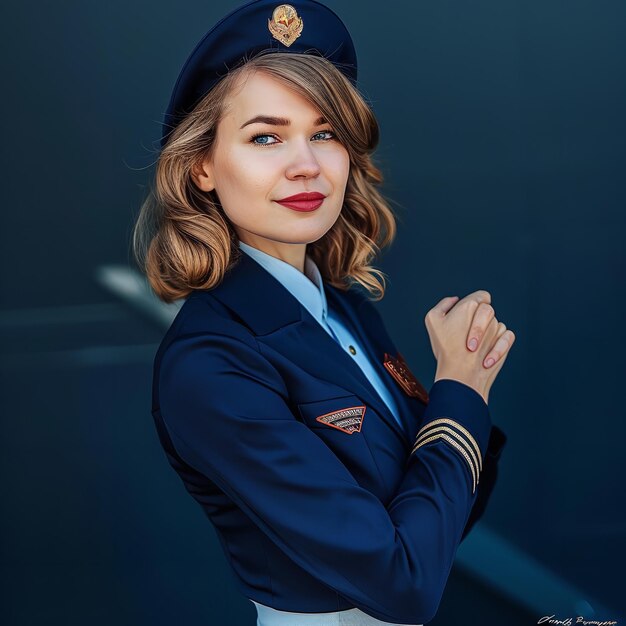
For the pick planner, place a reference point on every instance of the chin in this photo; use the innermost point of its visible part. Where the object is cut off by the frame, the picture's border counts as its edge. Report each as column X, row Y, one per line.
column 313, row 235
column 319, row 227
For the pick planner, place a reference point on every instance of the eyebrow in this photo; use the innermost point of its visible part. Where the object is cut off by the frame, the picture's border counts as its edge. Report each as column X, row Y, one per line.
column 278, row 121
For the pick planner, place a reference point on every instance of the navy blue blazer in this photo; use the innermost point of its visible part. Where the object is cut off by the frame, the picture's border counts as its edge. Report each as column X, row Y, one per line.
column 314, row 517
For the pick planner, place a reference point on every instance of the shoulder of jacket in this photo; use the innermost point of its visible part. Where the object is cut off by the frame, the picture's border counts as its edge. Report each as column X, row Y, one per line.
column 201, row 314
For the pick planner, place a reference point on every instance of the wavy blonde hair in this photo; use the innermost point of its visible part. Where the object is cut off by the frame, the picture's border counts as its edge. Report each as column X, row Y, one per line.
column 182, row 239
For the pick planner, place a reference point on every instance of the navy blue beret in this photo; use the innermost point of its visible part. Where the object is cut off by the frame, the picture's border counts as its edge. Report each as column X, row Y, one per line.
column 305, row 26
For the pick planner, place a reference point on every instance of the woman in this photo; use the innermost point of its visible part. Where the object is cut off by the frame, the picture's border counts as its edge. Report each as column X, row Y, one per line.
column 339, row 488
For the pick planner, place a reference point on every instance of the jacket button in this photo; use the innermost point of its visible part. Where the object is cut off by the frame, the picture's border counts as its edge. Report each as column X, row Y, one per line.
column 352, row 349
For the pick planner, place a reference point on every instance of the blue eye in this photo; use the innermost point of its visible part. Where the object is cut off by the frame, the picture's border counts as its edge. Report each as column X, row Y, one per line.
column 258, row 137
column 329, row 132
column 322, row 132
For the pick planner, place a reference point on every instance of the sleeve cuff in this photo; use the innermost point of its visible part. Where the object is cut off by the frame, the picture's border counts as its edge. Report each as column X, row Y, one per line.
column 458, row 415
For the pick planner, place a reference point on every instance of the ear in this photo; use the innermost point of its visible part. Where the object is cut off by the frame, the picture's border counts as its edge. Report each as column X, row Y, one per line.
column 202, row 174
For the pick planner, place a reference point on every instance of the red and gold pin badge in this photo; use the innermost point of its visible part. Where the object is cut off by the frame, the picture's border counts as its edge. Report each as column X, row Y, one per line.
column 399, row 369
column 285, row 24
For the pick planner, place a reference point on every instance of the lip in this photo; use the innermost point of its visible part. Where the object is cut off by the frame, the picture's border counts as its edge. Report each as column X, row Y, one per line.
column 303, row 201
column 311, row 195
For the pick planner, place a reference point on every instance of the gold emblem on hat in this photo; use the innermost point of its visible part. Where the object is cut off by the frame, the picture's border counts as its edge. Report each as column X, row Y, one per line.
column 285, row 24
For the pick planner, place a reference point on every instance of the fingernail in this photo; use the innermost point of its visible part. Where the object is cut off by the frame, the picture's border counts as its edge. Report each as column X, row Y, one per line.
column 489, row 362
column 473, row 343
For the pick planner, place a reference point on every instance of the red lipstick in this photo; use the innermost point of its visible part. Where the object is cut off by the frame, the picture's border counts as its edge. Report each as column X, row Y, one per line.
column 303, row 201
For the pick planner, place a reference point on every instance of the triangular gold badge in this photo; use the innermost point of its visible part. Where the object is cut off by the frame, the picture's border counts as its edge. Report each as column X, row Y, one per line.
column 349, row 420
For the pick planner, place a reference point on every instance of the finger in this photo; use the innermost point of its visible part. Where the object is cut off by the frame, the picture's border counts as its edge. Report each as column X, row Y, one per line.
column 444, row 305
column 495, row 338
column 482, row 317
column 477, row 296
column 501, row 347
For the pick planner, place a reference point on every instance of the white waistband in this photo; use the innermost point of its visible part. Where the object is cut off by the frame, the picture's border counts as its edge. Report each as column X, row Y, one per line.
column 268, row 616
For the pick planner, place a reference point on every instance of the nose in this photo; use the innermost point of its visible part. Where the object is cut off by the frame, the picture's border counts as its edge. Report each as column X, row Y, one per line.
column 303, row 163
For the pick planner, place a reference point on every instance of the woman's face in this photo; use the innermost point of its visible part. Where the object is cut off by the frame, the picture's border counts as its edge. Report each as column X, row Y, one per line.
column 256, row 163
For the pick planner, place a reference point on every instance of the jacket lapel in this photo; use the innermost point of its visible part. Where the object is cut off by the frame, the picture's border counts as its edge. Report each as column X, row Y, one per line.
column 280, row 322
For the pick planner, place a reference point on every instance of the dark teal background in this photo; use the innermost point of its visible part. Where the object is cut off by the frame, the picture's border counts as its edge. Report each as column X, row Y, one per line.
column 504, row 152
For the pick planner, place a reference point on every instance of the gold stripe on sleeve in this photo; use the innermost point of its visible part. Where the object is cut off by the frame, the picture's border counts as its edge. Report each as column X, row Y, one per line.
column 458, row 447
column 458, row 437
column 446, row 420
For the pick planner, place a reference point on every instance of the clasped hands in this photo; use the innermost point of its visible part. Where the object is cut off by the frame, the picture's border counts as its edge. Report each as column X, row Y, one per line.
column 469, row 343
